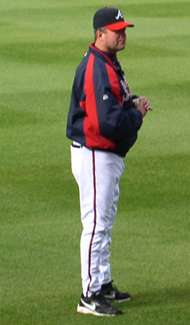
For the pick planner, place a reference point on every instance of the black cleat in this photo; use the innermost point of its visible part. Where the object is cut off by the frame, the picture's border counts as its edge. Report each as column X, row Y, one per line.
column 111, row 292
column 97, row 305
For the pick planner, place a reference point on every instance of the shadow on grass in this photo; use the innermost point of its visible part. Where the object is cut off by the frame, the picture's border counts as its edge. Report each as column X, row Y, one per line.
column 162, row 296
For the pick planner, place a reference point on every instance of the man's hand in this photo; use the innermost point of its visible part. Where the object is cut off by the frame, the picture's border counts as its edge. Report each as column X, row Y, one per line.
column 142, row 105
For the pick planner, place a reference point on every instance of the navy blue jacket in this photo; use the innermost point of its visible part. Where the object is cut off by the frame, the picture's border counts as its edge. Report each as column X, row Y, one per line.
column 102, row 114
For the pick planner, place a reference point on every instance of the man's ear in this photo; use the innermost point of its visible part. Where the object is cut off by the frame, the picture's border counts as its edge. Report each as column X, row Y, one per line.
column 100, row 33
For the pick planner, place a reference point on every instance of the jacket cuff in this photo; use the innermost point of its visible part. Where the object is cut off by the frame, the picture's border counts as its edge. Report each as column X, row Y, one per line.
column 137, row 118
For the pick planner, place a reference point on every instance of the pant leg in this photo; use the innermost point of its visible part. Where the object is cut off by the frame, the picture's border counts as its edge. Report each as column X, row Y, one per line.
column 105, row 267
column 95, row 173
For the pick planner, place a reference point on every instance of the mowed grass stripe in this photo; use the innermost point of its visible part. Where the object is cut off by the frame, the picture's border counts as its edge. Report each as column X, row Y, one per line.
column 158, row 9
column 59, row 53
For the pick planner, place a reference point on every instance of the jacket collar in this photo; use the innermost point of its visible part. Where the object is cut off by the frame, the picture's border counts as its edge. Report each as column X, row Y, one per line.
column 108, row 57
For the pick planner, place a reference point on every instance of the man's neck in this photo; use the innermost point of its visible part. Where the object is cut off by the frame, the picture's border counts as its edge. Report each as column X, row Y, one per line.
column 104, row 49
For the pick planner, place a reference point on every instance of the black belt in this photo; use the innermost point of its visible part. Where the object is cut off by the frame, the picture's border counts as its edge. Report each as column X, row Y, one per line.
column 76, row 144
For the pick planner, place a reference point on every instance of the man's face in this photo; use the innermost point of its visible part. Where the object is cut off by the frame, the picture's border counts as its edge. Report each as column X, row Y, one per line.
column 114, row 40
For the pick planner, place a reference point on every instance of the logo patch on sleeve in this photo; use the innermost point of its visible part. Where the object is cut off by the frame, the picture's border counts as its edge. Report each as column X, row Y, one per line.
column 105, row 97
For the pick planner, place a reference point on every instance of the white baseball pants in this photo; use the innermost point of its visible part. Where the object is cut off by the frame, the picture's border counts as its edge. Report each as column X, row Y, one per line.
column 97, row 174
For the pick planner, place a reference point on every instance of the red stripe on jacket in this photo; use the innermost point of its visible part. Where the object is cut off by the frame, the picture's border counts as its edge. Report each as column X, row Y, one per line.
column 91, row 127
column 114, row 83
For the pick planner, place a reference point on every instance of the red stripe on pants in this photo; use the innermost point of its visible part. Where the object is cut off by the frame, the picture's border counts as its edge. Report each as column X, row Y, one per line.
column 94, row 228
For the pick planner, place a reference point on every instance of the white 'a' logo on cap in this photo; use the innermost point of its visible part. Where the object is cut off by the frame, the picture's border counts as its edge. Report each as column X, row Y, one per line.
column 119, row 15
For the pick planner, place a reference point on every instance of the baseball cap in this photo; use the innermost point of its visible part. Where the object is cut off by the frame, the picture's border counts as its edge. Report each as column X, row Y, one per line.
column 111, row 18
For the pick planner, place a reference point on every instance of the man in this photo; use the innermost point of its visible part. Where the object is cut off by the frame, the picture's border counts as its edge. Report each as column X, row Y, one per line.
column 103, row 122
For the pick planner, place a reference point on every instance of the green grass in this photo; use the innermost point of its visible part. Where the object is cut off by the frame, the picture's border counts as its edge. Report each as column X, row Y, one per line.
column 41, row 42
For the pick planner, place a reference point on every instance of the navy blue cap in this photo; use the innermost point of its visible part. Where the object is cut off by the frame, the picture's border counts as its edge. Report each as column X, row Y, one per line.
column 111, row 18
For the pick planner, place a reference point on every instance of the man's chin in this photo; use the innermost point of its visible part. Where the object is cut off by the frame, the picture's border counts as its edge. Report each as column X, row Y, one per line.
column 116, row 48
column 120, row 48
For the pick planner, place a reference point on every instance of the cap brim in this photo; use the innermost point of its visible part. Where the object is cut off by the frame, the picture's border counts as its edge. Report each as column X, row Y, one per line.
column 119, row 25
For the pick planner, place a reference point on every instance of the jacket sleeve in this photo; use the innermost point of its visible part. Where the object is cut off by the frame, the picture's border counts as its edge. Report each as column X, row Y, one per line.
column 116, row 121
column 76, row 112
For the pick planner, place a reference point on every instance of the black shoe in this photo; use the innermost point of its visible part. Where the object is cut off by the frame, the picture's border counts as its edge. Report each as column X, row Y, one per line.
column 111, row 292
column 96, row 305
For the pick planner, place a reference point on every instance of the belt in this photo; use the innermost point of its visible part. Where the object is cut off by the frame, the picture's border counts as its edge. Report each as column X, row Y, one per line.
column 76, row 144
